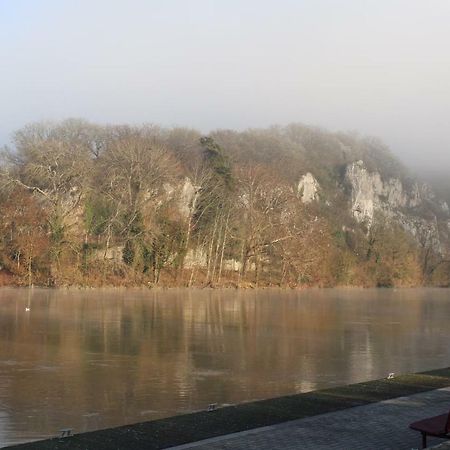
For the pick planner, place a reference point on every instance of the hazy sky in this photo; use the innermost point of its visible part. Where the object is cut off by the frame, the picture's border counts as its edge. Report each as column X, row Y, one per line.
column 381, row 67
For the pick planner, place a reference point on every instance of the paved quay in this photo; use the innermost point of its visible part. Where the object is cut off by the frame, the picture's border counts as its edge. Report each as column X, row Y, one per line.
column 443, row 446
column 371, row 414
column 377, row 426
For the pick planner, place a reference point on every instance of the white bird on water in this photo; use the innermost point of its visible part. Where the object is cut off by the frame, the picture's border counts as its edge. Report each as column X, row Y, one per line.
column 27, row 309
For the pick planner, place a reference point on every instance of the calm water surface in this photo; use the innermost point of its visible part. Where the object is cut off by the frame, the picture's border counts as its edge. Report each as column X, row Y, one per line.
column 95, row 359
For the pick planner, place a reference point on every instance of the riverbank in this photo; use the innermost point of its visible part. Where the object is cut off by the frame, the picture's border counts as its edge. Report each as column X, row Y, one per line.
column 201, row 425
column 171, row 281
column 206, row 287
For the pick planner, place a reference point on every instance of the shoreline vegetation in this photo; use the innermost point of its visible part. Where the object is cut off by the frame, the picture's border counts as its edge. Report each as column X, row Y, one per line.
column 226, row 286
column 178, row 430
column 89, row 205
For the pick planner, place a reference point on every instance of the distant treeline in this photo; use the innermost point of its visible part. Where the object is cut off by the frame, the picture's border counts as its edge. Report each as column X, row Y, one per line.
column 94, row 205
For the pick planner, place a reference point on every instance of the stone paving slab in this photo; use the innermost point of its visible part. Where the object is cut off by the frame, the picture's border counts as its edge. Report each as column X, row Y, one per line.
column 377, row 426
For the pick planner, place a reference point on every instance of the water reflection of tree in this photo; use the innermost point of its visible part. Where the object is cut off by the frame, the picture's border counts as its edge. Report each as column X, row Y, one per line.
column 137, row 355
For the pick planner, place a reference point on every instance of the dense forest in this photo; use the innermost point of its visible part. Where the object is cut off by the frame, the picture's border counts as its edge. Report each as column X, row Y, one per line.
column 89, row 205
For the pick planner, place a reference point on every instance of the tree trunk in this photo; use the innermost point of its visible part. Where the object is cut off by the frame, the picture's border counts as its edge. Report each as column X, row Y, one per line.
column 223, row 248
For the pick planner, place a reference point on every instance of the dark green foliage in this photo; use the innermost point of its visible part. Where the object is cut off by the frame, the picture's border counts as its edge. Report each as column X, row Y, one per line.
column 217, row 192
column 218, row 161
column 165, row 248
column 128, row 253
column 97, row 214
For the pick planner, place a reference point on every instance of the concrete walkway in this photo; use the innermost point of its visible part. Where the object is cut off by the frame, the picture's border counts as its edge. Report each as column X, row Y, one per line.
column 443, row 446
column 378, row 426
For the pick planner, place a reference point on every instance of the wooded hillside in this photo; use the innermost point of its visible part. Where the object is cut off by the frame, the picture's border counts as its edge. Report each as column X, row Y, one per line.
column 94, row 205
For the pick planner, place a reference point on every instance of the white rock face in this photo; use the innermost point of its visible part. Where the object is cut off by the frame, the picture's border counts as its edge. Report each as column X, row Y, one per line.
column 184, row 195
column 199, row 258
column 416, row 197
column 393, row 190
column 308, row 188
column 195, row 258
column 444, row 207
column 366, row 188
column 232, row 265
column 371, row 195
column 187, row 197
column 421, row 193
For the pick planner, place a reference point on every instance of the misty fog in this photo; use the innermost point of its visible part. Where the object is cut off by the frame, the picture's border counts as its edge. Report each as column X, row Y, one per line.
column 376, row 67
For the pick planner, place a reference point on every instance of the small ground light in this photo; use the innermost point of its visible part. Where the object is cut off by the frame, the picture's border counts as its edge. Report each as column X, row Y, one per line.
column 65, row 432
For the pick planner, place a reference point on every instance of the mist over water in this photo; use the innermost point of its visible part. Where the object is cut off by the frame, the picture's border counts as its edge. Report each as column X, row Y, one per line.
column 101, row 358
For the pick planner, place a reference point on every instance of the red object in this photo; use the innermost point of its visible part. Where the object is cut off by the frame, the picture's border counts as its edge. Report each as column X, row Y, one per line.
column 438, row 426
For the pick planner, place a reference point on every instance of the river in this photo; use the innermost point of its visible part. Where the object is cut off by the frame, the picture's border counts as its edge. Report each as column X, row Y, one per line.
column 90, row 359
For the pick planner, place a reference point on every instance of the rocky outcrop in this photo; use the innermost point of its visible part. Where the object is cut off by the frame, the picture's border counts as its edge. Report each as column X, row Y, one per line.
column 199, row 258
column 195, row 258
column 187, row 197
column 308, row 188
column 372, row 196
column 184, row 195
column 111, row 254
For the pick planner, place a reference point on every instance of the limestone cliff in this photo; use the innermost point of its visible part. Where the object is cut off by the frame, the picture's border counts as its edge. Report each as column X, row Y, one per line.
column 308, row 188
column 416, row 209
